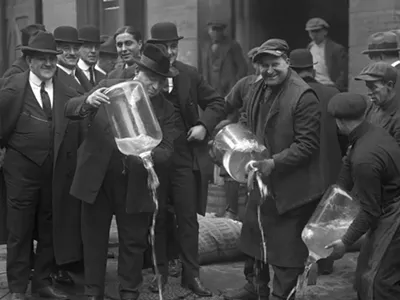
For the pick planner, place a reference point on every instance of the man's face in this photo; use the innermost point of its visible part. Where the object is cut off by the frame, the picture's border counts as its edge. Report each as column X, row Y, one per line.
column 273, row 69
column 379, row 92
column 89, row 53
column 127, row 47
column 172, row 49
column 70, row 56
column 43, row 65
column 215, row 33
column 318, row 35
column 152, row 82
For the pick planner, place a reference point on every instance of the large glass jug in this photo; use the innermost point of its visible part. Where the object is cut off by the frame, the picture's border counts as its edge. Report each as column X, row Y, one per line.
column 330, row 221
column 133, row 122
column 234, row 146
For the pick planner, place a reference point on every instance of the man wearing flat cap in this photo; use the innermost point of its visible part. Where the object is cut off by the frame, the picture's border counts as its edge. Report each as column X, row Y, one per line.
column 89, row 53
column 108, row 56
column 223, row 63
column 20, row 65
column 284, row 113
column 191, row 166
column 41, row 157
column 371, row 174
column 109, row 182
column 67, row 67
column 331, row 58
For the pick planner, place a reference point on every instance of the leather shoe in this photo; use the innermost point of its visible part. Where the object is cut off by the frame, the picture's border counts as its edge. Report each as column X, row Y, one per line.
column 51, row 292
column 243, row 294
column 17, row 296
column 153, row 287
column 95, row 298
column 196, row 287
column 62, row 277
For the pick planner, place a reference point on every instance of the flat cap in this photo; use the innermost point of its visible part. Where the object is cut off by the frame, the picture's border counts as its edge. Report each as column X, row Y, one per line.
column 316, row 24
column 276, row 47
column 378, row 71
column 217, row 24
column 348, row 106
column 252, row 52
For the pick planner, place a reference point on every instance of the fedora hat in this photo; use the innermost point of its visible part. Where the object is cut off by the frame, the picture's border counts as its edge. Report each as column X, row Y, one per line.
column 29, row 31
column 66, row 34
column 108, row 47
column 301, row 59
column 43, row 42
column 89, row 34
column 382, row 42
column 164, row 32
column 155, row 59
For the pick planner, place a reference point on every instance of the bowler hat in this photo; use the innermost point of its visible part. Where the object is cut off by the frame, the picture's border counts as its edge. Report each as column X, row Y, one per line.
column 29, row 31
column 43, row 42
column 382, row 42
column 108, row 47
column 217, row 24
column 89, row 34
column 316, row 24
column 378, row 71
column 66, row 34
column 301, row 59
column 276, row 47
column 348, row 106
column 155, row 58
column 164, row 32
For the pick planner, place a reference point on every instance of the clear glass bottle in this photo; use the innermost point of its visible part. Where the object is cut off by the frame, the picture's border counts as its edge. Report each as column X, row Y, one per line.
column 234, row 146
column 133, row 121
column 330, row 221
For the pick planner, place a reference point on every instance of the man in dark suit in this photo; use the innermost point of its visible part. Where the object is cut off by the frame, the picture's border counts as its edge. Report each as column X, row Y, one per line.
column 89, row 53
column 20, row 64
column 110, row 183
column 108, row 56
column 332, row 60
column 192, row 167
column 41, row 145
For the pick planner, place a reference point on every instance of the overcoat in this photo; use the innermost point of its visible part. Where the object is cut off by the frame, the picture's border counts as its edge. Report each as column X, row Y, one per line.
column 19, row 65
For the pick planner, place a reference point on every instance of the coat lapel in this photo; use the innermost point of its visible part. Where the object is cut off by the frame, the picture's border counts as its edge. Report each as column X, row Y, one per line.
column 182, row 82
column 85, row 83
column 255, row 90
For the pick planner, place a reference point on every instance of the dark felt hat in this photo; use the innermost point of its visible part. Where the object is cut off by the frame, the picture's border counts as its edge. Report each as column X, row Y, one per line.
column 42, row 42
column 382, row 42
column 108, row 47
column 155, row 58
column 217, row 24
column 316, row 24
column 378, row 71
column 301, row 59
column 348, row 106
column 164, row 32
column 104, row 38
column 89, row 34
column 276, row 47
column 29, row 31
column 66, row 34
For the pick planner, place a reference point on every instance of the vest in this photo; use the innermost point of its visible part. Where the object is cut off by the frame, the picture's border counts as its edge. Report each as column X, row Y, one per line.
column 33, row 133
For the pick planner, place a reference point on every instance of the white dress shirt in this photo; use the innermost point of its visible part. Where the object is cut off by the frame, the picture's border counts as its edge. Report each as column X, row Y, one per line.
column 85, row 68
column 35, row 84
column 321, row 70
column 394, row 65
column 69, row 72
column 96, row 67
column 170, row 84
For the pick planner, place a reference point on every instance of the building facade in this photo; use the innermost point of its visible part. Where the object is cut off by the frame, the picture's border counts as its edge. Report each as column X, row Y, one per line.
column 250, row 21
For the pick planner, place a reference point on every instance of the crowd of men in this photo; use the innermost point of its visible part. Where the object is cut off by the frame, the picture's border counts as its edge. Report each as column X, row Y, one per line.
column 65, row 178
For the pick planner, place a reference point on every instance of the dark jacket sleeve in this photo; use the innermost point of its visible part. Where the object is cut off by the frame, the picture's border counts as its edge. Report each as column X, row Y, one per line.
column 211, row 102
column 306, row 126
column 234, row 100
column 240, row 62
column 12, row 71
column 345, row 180
column 342, row 63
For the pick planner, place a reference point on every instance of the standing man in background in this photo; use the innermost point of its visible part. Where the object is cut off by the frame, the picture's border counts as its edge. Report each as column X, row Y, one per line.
column 108, row 56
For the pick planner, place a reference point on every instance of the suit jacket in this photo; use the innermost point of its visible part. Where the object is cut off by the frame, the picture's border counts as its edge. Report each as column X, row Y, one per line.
column 98, row 76
column 19, row 65
column 337, row 62
column 81, row 87
column 193, row 92
column 233, row 66
column 96, row 151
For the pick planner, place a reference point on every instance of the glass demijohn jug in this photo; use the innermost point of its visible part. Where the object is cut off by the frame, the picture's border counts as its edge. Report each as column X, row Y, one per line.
column 330, row 221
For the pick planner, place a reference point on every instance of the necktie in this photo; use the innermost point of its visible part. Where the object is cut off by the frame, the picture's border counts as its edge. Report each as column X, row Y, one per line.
column 91, row 72
column 45, row 101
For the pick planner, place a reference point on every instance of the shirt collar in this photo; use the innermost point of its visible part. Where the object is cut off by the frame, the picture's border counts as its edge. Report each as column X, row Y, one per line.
column 66, row 70
column 100, row 69
column 82, row 65
column 37, row 81
column 358, row 132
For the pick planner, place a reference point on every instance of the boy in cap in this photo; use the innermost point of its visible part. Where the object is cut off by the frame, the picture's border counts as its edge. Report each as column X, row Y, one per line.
column 284, row 113
column 331, row 58
column 371, row 173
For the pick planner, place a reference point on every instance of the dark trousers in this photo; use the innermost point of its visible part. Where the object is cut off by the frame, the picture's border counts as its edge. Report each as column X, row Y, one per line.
column 183, row 194
column 231, row 189
column 258, row 278
column 132, row 234
column 29, row 204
